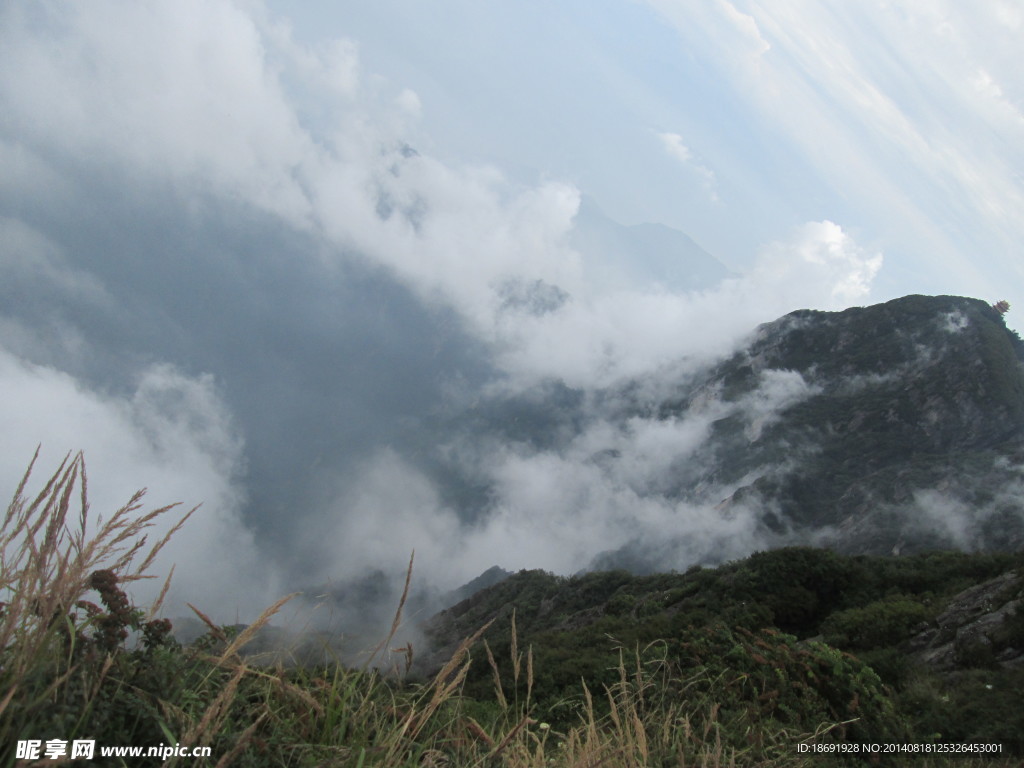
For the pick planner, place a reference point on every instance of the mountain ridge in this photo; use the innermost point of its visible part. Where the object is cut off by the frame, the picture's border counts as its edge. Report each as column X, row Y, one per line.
column 940, row 635
column 633, row 255
column 873, row 411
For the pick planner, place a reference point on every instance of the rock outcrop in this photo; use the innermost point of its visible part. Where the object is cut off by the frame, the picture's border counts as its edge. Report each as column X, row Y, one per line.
column 980, row 627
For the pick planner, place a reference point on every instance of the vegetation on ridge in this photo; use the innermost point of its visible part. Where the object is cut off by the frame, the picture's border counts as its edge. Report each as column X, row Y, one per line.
column 721, row 688
column 789, row 636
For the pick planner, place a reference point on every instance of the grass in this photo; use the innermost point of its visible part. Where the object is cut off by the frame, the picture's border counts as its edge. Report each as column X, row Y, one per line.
column 68, row 671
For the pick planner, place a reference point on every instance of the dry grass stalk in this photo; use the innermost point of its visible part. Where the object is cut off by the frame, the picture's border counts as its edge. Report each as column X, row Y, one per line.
column 292, row 690
column 499, row 692
column 7, row 697
column 515, row 650
column 443, row 687
column 503, row 744
column 529, row 674
column 639, row 737
column 477, row 731
column 217, row 712
column 154, row 609
column 460, row 653
column 148, row 561
column 215, row 630
column 407, row 653
column 250, row 631
column 243, row 740
column 397, row 622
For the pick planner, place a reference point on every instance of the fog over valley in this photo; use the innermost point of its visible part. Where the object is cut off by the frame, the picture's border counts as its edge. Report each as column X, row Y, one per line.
column 297, row 275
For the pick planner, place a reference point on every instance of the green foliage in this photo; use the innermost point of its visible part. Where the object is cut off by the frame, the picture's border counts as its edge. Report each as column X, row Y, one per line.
column 713, row 620
column 799, row 585
column 882, row 623
column 597, row 587
column 773, row 680
column 1012, row 634
column 979, row 706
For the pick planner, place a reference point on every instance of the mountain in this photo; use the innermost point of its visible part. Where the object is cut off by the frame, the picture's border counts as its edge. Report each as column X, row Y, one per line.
column 918, row 648
column 883, row 429
column 491, row 576
column 621, row 256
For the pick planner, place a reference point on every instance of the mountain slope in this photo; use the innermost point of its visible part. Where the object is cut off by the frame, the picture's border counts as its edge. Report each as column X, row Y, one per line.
column 896, row 427
column 912, row 633
column 621, row 256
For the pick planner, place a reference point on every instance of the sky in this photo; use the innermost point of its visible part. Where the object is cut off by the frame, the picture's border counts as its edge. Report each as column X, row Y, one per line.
column 283, row 259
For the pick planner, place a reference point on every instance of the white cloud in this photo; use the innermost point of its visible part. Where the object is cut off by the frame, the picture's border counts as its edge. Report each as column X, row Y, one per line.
column 614, row 484
column 177, row 89
column 597, row 340
column 747, row 27
column 674, row 146
column 171, row 435
column 163, row 99
column 823, row 257
column 378, row 520
column 778, row 391
column 1010, row 15
column 410, row 102
column 552, row 511
column 199, row 93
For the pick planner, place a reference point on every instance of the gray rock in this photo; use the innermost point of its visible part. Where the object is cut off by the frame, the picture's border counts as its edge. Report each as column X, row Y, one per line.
column 970, row 630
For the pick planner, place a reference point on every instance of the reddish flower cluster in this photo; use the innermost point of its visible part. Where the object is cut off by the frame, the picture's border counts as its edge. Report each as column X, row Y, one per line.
column 120, row 615
column 114, row 624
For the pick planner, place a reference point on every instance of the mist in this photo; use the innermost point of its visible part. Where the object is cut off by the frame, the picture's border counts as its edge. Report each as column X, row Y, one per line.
column 234, row 274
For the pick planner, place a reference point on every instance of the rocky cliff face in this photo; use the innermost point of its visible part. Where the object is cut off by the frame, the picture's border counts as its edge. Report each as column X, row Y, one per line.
column 903, row 428
column 981, row 626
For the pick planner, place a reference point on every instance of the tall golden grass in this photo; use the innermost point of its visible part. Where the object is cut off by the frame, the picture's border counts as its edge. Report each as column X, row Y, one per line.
column 50, row 548
column 47, row 556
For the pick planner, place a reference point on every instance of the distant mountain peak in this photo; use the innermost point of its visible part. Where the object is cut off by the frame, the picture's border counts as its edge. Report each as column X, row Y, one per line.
column 638, row 255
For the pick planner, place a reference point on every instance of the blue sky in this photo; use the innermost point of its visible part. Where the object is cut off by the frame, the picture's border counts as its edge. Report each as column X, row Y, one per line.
column 262, row 255
column 901, row 122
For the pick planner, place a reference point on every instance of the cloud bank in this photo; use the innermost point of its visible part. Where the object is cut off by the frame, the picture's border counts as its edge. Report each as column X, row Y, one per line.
column 231, row 274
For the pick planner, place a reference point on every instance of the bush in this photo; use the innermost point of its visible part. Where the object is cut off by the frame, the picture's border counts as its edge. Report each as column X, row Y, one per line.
column 774, row 679
column 882, row 623
column 800, row 585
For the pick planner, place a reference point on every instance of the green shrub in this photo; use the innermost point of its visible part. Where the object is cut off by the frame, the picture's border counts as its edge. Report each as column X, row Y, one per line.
column 774, row 679
column 881, row 623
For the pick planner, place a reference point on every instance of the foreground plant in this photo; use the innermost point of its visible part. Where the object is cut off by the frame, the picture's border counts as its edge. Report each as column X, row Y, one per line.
column 65, row 670
column 49, row 559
